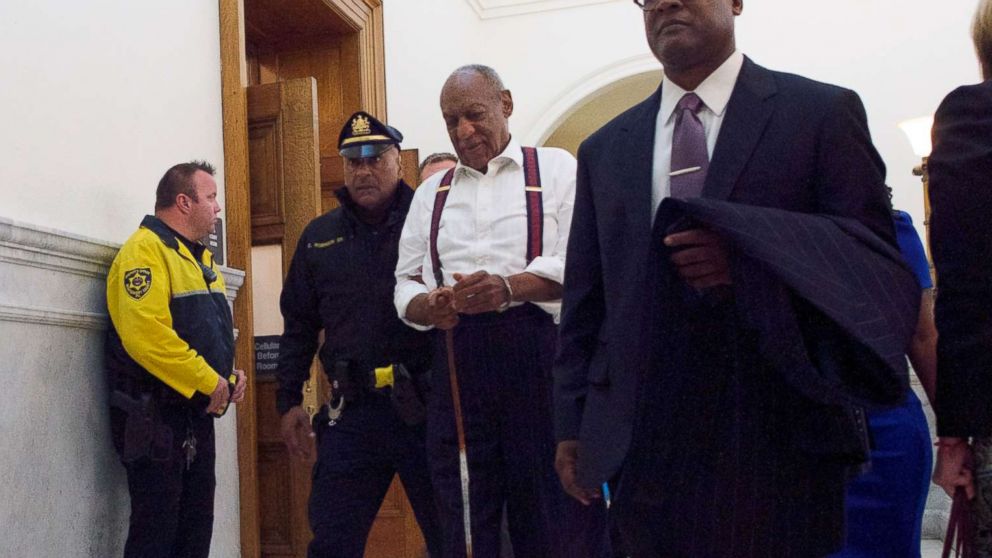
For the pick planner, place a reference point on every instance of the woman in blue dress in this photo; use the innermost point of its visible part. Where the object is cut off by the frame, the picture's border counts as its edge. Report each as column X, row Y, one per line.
column 885, row 505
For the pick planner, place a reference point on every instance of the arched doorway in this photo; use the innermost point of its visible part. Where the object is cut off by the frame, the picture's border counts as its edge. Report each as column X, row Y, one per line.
column 593, row 101
column 600, row 108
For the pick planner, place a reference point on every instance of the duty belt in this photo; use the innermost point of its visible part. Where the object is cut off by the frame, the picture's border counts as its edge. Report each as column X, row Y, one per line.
column 403, row 394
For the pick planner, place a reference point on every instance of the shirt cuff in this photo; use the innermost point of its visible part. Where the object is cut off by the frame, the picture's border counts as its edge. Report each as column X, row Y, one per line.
column 406, row 291
column 548, row 267
column 209, row 380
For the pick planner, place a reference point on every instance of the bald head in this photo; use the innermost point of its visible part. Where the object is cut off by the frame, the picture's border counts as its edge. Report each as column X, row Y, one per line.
column 476, row 108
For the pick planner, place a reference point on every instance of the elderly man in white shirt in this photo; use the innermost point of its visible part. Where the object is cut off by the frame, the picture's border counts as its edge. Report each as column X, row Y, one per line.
column 482, row 254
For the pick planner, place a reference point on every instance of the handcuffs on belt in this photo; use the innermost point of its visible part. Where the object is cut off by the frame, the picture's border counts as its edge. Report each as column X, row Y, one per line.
column 404, row 395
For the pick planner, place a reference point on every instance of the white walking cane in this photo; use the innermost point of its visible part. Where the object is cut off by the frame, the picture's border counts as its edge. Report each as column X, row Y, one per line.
column 462, row 450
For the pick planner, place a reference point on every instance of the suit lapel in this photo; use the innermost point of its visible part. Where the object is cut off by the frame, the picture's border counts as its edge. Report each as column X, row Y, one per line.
column 750, row 107
column 634, row 152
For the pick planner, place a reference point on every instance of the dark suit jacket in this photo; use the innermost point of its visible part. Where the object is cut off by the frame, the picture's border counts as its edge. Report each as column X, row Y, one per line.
column 961, row 237
column 791, row 265
column 786, row 142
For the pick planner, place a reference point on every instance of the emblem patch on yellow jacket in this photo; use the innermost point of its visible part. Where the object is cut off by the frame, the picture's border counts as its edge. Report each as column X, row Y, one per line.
column 137, row 282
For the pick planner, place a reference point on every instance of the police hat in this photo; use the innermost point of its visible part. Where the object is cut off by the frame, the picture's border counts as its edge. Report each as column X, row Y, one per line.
column 364, row 136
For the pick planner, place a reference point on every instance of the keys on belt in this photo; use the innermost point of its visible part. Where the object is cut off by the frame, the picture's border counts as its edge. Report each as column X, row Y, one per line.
column 189, row 447
column 350, row 384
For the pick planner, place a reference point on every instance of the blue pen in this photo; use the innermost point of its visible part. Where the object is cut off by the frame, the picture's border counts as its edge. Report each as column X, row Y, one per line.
column 606, row 494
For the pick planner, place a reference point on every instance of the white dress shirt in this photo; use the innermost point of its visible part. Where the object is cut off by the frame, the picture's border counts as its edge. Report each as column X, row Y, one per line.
column 715, row 93
column 484, row 224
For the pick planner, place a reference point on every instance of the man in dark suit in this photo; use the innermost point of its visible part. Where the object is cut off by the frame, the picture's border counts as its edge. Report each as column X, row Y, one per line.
column 658, row 387
column 960, row 169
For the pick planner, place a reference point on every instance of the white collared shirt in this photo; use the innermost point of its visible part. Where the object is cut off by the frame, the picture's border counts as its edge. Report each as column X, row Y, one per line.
column 715, row 93
column 484, row 224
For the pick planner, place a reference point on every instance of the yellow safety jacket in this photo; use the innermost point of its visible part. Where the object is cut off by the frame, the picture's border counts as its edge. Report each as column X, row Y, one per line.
column 171, row 323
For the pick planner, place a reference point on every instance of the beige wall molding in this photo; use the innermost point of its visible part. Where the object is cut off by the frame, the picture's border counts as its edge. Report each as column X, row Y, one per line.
column 44, row 248
column 491, row 9
column 233, row 279
column 52, row 317
column 22, row 244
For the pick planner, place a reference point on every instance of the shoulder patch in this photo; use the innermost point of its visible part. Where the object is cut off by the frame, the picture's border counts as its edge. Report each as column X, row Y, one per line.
column 137, row 282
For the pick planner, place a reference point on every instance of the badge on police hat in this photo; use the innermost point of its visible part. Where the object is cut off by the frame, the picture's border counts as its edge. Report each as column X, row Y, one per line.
column 364, row 136
column 137, row 282
column 360, row 126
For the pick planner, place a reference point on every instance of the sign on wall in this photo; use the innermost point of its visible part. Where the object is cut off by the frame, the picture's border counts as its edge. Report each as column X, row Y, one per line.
column 266, row 354
column 215, row 241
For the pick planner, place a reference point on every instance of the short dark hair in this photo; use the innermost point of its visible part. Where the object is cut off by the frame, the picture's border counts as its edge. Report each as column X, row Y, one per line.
column 436, row 158
column 179, row 180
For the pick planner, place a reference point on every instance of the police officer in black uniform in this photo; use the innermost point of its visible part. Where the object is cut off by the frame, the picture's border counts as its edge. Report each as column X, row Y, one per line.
column 341, row 281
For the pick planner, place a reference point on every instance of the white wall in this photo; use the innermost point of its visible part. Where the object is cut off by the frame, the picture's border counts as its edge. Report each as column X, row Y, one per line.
column 266, row 286
column 99, row 98
column 902, row 56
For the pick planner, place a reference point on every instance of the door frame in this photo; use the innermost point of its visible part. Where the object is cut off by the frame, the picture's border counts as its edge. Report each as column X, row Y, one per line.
column 365, row 18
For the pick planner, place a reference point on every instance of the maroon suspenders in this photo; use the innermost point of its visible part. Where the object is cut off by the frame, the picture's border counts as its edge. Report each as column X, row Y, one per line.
column 535, row 204
column 535, row 211
column 439, row 198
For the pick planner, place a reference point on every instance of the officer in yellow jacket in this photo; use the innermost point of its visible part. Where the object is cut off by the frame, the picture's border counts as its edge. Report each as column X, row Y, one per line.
column 169, row 358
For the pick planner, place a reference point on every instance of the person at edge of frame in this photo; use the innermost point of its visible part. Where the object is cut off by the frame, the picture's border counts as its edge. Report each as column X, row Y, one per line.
column 885, row 504
column 961, row 240
column 341, row 281
column 435, row 163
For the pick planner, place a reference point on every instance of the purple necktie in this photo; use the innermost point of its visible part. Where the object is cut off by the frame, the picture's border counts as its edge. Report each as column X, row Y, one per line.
column 689, row 156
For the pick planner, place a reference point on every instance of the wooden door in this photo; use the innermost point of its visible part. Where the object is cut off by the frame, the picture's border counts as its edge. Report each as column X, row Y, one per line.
column 284, row 167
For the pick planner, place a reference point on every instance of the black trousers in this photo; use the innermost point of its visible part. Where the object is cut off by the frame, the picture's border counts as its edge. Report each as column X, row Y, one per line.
column 503, row 364
column 356, row 461
column 172, row 506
